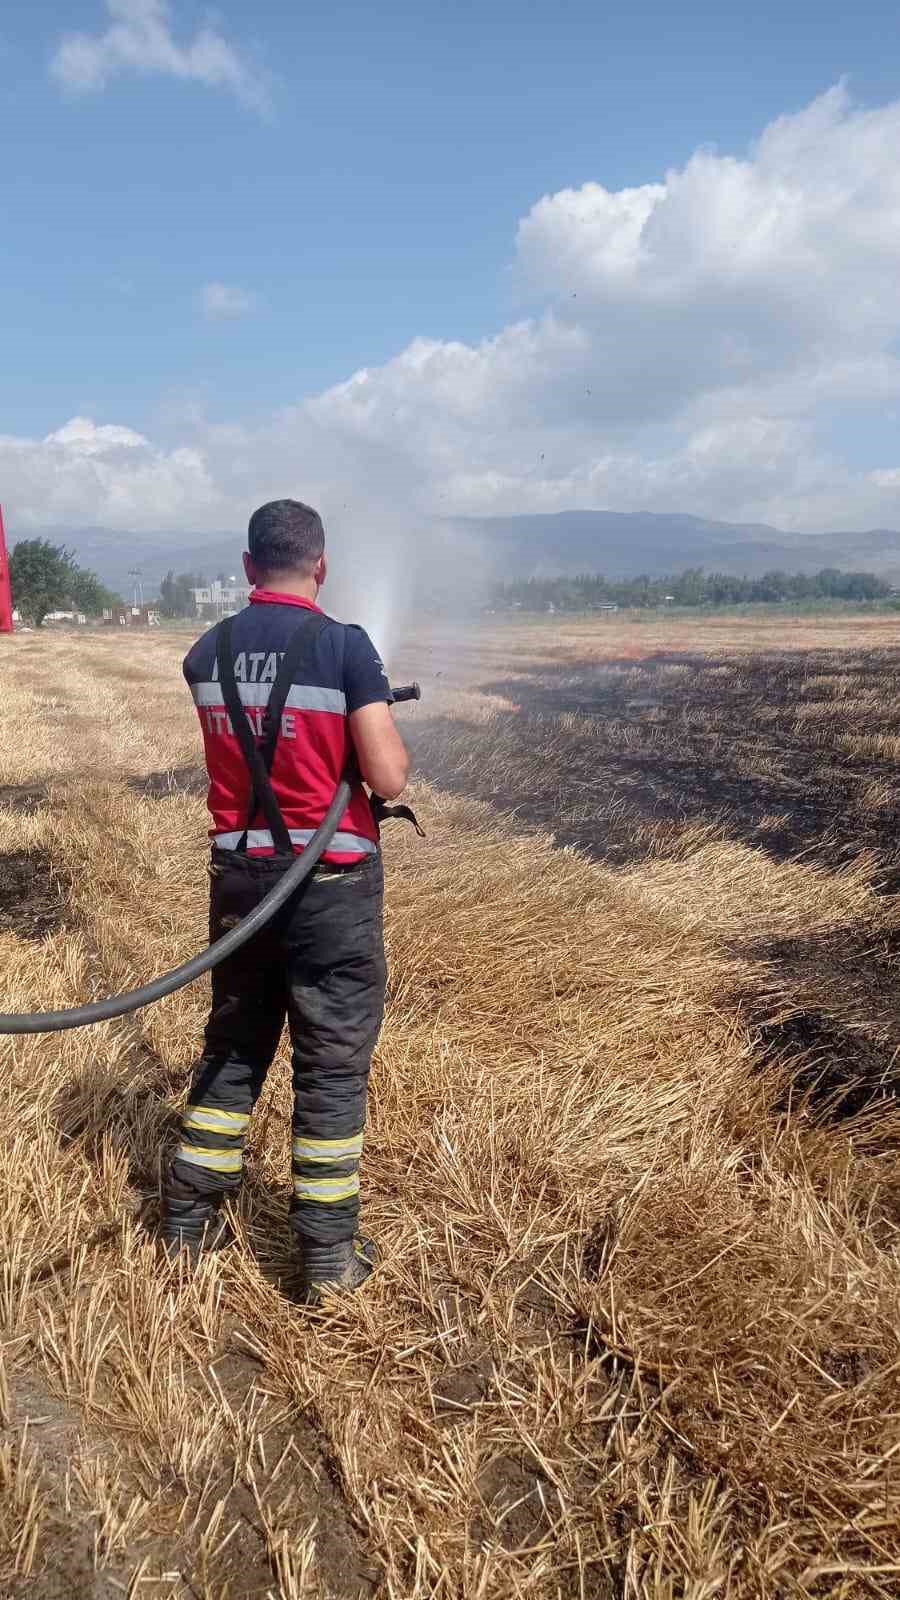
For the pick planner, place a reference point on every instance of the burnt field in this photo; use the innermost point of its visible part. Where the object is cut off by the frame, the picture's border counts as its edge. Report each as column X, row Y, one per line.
column 796, row 752
column 633, row 1156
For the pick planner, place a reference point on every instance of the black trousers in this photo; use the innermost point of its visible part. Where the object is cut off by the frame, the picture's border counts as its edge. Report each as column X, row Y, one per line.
column 321, row 964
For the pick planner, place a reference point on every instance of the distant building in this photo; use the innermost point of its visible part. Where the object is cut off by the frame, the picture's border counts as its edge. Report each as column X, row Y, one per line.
column 131, row 616
column 77, row 617
column 220, row 598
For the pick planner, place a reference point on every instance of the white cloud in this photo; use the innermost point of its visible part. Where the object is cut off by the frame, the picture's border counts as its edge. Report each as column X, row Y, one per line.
column 84, row 437
column 89, row 474
column 224, row 300
column 701, row 344
column 696, row 334
column 139, row 39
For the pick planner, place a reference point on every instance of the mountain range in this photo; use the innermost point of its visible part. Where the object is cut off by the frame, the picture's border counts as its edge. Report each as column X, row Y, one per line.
column 618, row 544
column 624, row 544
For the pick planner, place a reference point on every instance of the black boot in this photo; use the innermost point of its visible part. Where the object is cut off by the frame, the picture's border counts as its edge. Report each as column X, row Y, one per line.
column 190, row 1220
column 367, row 1248
column 346, row 1266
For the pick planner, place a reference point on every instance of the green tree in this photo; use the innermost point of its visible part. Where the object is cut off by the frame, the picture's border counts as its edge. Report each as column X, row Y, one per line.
column 88, row 594
column 45, row 577
column 691, row 588
column 176, row 597
column 167, row 595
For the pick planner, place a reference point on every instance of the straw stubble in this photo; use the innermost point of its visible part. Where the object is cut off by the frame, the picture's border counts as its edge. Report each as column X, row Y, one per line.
column 636, row 1329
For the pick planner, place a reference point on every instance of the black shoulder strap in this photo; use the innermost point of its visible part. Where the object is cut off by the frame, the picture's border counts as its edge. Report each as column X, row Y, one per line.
column 259, row 758
column 261, row 786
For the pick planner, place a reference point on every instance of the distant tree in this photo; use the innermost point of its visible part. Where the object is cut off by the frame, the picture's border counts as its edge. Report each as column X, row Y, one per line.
column 863, row 586
column 167, row 595
column 176, row 597
column 45, row 578
column 88, row 594
column 691, row 588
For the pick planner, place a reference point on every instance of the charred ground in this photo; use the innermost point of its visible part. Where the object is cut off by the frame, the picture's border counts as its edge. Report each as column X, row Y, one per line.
column 795, row 752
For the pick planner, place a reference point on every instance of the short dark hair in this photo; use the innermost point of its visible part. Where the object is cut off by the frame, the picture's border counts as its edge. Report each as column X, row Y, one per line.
column 286, row 536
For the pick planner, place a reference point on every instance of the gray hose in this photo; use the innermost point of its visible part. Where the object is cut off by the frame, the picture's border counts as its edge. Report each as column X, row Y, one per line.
column 118, row 1005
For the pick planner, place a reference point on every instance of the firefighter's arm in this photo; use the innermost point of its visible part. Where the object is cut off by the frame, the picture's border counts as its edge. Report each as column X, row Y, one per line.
column 380, row 751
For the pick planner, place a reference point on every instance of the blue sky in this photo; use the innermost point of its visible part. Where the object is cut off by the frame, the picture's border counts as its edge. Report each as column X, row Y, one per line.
column 181, row 253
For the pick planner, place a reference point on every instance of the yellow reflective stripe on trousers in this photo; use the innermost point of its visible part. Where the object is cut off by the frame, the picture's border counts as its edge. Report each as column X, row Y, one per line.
column 216, row 1121
column 346, row 1149
column 215, row 1160
column 326, row 1190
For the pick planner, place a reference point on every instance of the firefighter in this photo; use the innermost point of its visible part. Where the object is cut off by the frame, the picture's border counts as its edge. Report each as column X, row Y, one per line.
column 311, row 695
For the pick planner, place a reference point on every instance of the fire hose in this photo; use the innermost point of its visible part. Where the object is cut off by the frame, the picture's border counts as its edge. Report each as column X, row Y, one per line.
column 121, row 1004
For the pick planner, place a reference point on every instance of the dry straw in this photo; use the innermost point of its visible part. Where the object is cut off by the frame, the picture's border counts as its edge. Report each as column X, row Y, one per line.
column 636, row 1331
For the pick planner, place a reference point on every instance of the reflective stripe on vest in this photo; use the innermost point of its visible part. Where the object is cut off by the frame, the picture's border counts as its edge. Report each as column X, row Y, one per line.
column 300, row 696
column 261, row 839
